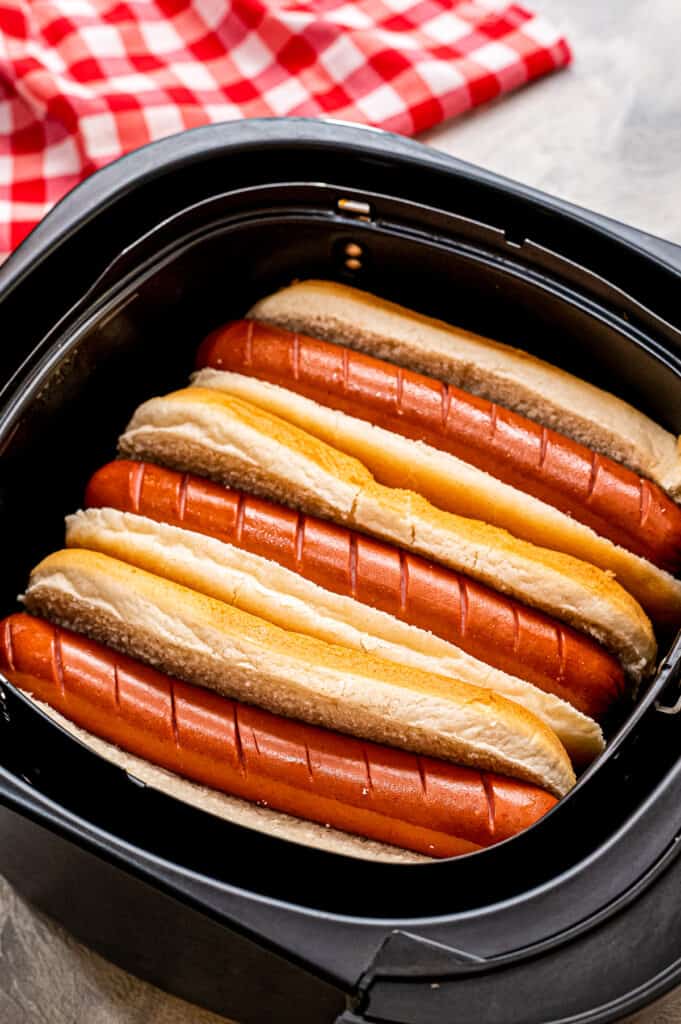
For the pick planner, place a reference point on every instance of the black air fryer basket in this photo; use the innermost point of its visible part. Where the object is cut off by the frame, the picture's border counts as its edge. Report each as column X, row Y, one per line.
column 578, row 919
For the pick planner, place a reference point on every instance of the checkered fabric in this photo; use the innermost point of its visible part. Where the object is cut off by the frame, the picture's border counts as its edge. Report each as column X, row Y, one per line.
column 84, row 81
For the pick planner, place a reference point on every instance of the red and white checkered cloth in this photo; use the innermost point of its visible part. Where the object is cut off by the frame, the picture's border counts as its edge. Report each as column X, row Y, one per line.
column 84, row 81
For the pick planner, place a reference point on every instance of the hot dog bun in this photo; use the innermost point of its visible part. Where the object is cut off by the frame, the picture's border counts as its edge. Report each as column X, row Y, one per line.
column 263, row 588
column 513, row 378
column 457, row 486
column 201, row 640
column 431, row 807
column 239, row 444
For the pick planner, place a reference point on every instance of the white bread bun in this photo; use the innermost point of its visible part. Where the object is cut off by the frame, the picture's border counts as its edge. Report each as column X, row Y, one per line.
column 241, row 445
column 232, row 808
column 503, row 374
column 456, row 486
column 283, row 597
column 212, row 644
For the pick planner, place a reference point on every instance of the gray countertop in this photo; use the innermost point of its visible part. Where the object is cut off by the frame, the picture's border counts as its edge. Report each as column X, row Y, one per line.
column 606, row 134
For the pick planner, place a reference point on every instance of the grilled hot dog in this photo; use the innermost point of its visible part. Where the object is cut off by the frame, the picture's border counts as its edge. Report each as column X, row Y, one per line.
column 486, row 624
column 418, row 803
column 614, row 501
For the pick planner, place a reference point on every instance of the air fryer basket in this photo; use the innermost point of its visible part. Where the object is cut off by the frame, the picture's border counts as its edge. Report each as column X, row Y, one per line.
column 103, row 306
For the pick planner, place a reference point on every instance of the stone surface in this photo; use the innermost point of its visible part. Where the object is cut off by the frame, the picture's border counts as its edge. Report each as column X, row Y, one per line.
column 605, row 133
column 46, row 977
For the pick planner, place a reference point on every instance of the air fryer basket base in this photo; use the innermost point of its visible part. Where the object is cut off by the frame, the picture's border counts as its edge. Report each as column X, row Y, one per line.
column 164, row 246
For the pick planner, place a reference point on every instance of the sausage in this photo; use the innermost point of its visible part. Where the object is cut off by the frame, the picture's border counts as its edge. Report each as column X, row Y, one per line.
column 595, row 490
column 488, row 625
column 419, row 803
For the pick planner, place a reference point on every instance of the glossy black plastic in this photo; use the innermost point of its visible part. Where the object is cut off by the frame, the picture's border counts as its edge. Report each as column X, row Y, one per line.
column 107, row 301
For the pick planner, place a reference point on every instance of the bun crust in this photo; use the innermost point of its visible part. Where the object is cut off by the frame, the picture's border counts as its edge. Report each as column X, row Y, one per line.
column 209, row 643
column 241, row 445
column 483, row 367
column 456, row 486
column 264, row 588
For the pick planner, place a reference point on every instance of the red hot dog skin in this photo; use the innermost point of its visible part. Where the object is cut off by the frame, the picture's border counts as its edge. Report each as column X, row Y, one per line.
column 486, row 624
column 417, row 803
column 614, row 501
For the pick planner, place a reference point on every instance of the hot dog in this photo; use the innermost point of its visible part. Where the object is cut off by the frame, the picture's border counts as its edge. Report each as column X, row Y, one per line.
column 220, row 647
column 432, row 807
column 287, row 599
column 595, row 490
column 488, row 625
column 208, row 432
column 611, row 499
column 497, row 372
